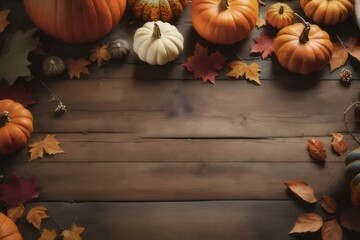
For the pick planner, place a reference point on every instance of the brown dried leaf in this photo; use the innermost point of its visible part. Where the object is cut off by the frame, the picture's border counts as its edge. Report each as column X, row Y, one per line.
column 329, row 204
column 331, row 230
column 36, row 215
column 73, row 234
column 354, row 51
column 302, row 190
column 317, row 149
column 260, row 22
column 339, row 56
column 308, row 222
column 16, row 213
column 350, row 219
column 50, row 145
column 240, row 68
column 3, row 23
column 99, row 54
column 77, row 66
column 339, row 143
column 48, row 235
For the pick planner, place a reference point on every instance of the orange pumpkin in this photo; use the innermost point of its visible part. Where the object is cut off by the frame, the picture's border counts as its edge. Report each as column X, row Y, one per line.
column 303, row 49
column 327, row 12
column 8, row 229
column 75, row 21
column 226, row 22
column 279, row 15
column 16, row 125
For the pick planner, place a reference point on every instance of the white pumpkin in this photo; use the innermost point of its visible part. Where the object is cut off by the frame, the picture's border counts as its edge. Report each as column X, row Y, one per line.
column 158, row 43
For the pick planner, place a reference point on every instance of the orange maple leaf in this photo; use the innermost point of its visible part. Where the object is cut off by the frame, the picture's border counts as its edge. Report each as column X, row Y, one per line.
column 77, row 66
column 16, row 212
column 260, row 22
column 240, row 68
column 73, row 233
column 99, row 54
column 36, row 215
column 50, row 145
column 48, row 235
column 3, row 23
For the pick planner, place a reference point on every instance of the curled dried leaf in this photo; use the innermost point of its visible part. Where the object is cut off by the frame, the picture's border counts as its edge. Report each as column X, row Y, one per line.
column 308, row 222
column 331, row 230
column 317, row 149
column 339, row 143
column 36, row 215
column 329, row 204
column 302, row 190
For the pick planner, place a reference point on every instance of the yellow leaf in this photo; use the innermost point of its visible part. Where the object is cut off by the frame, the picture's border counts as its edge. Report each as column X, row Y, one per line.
column 3, row 22
column 355, row 52
column 50, row 145
column 36, row 215
column 48, row 235
column 238, row 69
column 77, row 66
column 339, row 56
column 260, row 22
column 99, row 54
column 16, row 213
column 252, row 73
column 73, row 234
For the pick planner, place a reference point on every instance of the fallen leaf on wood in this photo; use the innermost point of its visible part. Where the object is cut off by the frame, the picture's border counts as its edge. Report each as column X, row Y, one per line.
column 73, row 234
column 18, row 190
column 203, row 65
column 260, row 22
column 264, row 45
column 16, row 213
column 50, row 145
column 329, row 204
column 339, row 56
column 350, row 219
column 317, row 149
column 354, row 51
column 48, row 235
column 18, row 93
column 76, row 67
column 308, row 222
column 302, row 190
column 331, row 230
column 99, row 54
column 3, row 23
column 36, row 215
column 240, row 68
column 339, row 143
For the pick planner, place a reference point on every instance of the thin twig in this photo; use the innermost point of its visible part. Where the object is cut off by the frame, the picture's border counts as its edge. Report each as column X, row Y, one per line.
column 61, row 108
column 59, row 224
column 355, row 104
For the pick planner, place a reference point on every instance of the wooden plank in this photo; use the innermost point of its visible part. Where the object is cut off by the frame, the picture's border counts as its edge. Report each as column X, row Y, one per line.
column 129, row 148
column 178, row 181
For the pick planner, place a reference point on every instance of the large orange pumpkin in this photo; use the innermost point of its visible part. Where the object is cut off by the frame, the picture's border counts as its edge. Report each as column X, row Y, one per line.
column 226, row 22
column 75, row 21
column 16, row 125
column 8, row 229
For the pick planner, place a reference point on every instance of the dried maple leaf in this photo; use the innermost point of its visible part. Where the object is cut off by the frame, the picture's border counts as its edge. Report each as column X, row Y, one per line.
column 302, row 190
column 3, row 23
column 16, row 213
column 264, row 45
column 48, row 235
column 354, row 51
column 339, row 56
column 240, row 68
column 36, row 215
column 317, row 149
column 18, row 190
column 99, row 54
column 76, row 67
column 73, row 233
column 18, row 93
column 331, row 230
column 260, row 22
column 203, row 65
column 50, row 145
column 329, row 204
column 308, row 222
column 339, row 143
column 350, row 219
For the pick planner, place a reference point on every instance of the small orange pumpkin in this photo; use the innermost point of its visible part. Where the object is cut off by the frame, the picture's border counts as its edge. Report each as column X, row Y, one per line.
column 303, row 49
column 8, row 229
column 280, row 15
column 16, row 126
column 327, row 12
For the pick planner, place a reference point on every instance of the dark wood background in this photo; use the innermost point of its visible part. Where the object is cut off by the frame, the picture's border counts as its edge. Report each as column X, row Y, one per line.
column 153, row 154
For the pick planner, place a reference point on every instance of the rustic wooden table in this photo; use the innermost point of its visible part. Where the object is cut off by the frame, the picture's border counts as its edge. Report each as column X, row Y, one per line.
column 153, row 154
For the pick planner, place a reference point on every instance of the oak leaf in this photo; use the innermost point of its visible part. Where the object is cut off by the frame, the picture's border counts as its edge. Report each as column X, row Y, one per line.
column 205, row 65
column 99, row 54
column 36, row 215
column 50, row 145
column 339, row 56
column 76, row 67
column 16, row 213
column 18, row 93
column 317, row 149
column 302, row 190
column 264, row 45
column 73, row 233
column 18, row 190
column 331, row 230
column 339, row 143
column 329, row 204
column 260, row 22
column 308, row 222
column 3, row 23
column 350, row 219
column 240, row 68
column 48, row 235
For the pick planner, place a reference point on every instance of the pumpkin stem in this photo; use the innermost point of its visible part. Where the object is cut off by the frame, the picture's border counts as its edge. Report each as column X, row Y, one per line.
column 224, row 4
column 281, row 10
column 304, row 36
column 4, row 119
column 156, row 33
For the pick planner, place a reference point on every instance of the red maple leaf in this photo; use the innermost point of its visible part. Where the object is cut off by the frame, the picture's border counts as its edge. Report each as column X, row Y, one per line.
column 203, row 65
column 18, row 93
column 18, row 190
column 264, row 45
